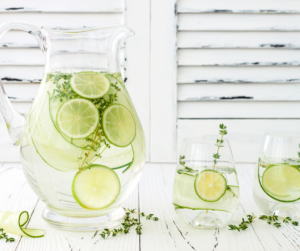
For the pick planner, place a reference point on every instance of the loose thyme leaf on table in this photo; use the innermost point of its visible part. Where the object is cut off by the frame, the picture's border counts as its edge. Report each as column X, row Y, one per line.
column 274, row 218
column 128, row 223
column 243, row 224
column 3, row 235
column 271, row 220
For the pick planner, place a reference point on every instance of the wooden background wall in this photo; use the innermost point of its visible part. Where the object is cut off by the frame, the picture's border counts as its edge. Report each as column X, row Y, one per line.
column 192, row 65
column 238, row 64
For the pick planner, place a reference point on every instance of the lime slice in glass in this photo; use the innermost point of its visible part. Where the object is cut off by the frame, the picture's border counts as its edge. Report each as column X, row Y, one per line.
column 90, row 84
column 282, row 182
column 185, row 196
column 210, row 185
column 77, row 118
column 96, row 187
column 118, row 125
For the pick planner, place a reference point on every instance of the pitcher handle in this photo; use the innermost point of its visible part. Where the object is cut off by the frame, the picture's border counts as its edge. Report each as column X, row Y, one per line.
column 13, row 119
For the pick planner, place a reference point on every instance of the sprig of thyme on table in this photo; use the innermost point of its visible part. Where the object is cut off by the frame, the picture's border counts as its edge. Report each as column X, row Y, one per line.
column 272, row 220
column 128, row 223
column 3, row 235
column 243, row 224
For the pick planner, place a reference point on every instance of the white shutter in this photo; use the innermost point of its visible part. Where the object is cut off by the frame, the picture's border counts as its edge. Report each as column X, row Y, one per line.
column 238, row 64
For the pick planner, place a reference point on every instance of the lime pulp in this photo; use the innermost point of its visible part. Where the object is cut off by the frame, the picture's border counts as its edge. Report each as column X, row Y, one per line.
column 210, row 185
column 90, row 84
column 77, row 118
column 96, row 187
column 118, row 125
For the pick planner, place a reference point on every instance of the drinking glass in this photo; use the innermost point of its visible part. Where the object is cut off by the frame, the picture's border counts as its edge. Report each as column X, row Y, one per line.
column 276, row 187
column 206, row 190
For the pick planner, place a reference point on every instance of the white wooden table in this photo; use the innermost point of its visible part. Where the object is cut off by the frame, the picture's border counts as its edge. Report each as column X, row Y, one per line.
column 153, row 195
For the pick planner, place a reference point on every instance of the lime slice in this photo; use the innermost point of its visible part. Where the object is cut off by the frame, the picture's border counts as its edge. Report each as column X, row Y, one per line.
column 138, row 144
column 282, row 181
column 96, row 187
column 54, row 105
column 49, row 143
column 77, row 118
column 210, row 185
column 185, row 196
column 90, row 85
column 118, row 125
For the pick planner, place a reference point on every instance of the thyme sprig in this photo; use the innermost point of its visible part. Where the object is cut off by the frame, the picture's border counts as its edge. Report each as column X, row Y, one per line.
column 220, row 142
column 3, row 235
column 148, row 217
column 182, row 163
column 243, row 224
column 289, row 220
column 128, row 223
column 230, row 190
column 271, row 220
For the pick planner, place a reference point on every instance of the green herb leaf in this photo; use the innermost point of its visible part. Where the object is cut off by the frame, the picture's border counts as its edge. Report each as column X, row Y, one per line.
column 3, row 235
column 128, row 223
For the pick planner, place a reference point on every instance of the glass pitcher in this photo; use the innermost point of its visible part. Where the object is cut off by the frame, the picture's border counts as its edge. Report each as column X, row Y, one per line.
column 82, row 145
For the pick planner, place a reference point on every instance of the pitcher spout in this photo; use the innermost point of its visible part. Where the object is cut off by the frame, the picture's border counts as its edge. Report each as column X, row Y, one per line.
column 14, row 120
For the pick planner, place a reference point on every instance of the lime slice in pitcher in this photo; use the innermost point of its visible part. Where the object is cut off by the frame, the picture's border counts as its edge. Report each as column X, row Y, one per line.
column 210, row 185
column 118, row 125
column 77, row 118
column 282, row 182
column 96, row 187
column 90, row 84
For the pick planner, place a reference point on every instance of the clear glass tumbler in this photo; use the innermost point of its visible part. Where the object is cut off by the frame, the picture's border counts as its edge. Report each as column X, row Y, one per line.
column 276, row 187
column 206, row 188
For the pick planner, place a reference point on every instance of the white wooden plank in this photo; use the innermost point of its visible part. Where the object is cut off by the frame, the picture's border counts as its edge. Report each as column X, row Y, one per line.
column 21, row 91
column 12, row 39
column 163, row 78
column 244, row 135
column 241, row 22
column 59, row 6
column 257, row 91
column 238, row 57
column 170, row 233
column 28, row 56
column 35, row 57
column 138, row 62
column 22, row 73
column 237, row 74
column 65, row 19
column 227, row 39
column 236, row 6
column 238, row 109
